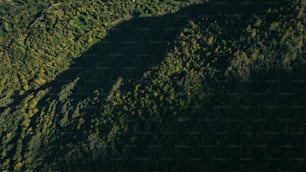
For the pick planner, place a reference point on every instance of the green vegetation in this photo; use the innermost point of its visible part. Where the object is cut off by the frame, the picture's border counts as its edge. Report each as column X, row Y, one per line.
column 151, row 85
column 45, row 36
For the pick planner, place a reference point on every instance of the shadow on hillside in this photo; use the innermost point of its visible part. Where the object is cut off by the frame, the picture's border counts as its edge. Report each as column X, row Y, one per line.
column 131, row 48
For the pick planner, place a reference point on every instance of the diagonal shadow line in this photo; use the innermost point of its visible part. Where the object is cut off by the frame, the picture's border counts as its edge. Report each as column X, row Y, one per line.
column 126, row 49
column 130, row 48
column 133, row 47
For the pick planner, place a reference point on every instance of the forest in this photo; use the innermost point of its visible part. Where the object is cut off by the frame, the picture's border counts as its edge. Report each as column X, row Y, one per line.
column 152, row 85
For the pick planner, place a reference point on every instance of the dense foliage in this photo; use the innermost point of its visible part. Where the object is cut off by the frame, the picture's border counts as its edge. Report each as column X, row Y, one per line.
column 106, row 86
column 45, row 36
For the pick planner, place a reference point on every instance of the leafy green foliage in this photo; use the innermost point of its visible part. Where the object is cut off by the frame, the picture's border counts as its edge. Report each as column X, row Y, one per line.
column 46, row 36
column 169, row 92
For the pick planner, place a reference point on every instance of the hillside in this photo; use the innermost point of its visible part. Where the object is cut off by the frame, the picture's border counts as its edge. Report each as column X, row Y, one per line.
column 152, row 85
column 46, row 36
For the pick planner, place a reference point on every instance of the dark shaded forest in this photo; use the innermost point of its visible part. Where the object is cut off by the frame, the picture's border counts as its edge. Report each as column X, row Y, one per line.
column 152, row 85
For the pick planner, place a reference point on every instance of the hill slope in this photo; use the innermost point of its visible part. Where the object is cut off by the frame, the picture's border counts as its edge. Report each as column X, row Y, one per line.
column 210, row 87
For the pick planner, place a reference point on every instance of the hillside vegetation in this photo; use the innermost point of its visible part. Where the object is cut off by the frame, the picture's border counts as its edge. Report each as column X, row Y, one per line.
column 45, row 36
column 152, row 85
